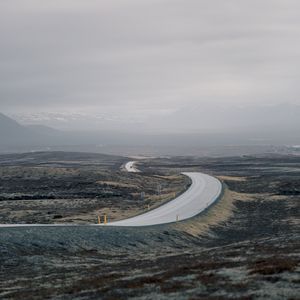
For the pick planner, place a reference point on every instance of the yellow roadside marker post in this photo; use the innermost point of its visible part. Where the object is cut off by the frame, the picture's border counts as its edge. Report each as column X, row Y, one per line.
column 99, row 220
column 105, row 219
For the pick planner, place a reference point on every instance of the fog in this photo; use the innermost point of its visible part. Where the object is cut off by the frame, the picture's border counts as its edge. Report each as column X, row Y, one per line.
column 152, row 66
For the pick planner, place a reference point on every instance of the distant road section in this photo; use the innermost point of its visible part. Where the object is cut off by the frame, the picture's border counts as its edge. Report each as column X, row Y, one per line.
column 130, row 167
column 202, row 193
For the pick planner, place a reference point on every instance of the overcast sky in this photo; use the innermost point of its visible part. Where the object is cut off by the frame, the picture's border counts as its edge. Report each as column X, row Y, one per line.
column 148, row 56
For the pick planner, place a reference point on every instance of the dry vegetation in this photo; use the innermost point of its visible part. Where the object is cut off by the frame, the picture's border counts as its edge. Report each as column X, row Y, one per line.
column 245, row 247
column 48, row 190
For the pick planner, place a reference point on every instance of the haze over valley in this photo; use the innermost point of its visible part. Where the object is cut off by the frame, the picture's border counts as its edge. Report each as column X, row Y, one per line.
column 196, row 127
column 196, row 74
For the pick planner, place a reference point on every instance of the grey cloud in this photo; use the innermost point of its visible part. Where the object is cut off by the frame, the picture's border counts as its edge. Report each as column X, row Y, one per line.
column 147, row 54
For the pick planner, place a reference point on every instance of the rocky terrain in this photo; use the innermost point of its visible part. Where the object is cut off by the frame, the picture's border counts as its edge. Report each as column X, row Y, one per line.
column 244, row 247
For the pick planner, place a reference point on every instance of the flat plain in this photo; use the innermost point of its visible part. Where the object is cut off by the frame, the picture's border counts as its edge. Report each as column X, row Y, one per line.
column 244, row 247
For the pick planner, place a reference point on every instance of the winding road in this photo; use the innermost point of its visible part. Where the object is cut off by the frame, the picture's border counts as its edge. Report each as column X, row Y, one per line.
column 129, row 167
column 203, row 192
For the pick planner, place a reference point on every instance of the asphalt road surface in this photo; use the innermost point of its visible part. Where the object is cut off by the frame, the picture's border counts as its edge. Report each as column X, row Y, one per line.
column 130, row 167
column 201, row 194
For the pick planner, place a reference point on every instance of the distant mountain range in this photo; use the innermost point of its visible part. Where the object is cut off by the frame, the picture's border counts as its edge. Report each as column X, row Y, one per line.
column 13, row 135
column 17, row 137
column 208, row 118
column 10, row 128
column 200, row 126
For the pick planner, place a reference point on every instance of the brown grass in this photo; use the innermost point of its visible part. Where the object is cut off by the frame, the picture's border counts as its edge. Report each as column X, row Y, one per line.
column 217, row 214
column 91, row 282
column 140, row 282
column 232, row 178
column 273, row 265
column 116, row 184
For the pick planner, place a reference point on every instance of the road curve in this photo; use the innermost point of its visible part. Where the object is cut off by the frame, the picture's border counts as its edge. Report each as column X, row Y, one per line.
column 202, row 193
column 129, row 167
